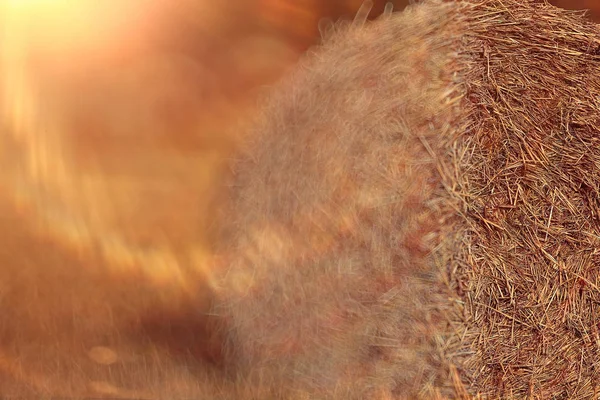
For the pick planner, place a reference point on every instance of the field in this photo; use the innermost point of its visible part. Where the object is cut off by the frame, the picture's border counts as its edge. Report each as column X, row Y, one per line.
column 114, row 158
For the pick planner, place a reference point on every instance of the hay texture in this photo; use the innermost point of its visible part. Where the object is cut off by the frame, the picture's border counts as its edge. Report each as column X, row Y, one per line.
column 417, row 214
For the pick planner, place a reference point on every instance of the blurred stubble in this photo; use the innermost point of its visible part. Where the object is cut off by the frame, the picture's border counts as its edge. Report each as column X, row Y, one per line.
column 117, row 143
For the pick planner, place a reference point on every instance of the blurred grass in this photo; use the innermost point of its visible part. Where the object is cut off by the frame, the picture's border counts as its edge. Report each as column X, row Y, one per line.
column 136, row 112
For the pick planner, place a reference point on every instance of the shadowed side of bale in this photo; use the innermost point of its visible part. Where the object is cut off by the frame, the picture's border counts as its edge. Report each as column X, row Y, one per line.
column 330, row 288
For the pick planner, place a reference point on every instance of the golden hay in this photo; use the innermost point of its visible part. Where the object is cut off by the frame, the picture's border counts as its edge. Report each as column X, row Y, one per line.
column 526, row 170
column 418, row 213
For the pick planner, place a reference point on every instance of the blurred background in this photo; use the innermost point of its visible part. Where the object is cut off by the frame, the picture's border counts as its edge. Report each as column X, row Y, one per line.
column 118, row 120
column 119, row 117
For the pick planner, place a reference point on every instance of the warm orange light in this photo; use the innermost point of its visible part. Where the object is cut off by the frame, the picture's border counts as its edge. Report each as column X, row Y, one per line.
column 68, row 27
column 49, row 52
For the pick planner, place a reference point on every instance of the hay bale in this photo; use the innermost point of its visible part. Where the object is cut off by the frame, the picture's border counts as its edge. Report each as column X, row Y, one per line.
column 418, row 215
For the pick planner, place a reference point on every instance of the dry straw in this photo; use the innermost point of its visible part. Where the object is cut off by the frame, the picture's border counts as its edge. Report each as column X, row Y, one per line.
column 527, row 174
column 418, row 213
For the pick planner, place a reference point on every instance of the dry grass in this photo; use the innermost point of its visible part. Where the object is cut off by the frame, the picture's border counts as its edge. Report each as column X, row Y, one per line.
column 526, row 170
column 469, row 129
column 416, row 216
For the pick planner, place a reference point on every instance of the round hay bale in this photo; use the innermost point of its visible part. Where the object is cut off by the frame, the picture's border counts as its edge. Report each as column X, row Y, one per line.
column 418, row 215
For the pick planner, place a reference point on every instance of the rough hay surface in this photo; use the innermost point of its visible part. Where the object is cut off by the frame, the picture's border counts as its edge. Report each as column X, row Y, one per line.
column 528, row 176
column 418, row 213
